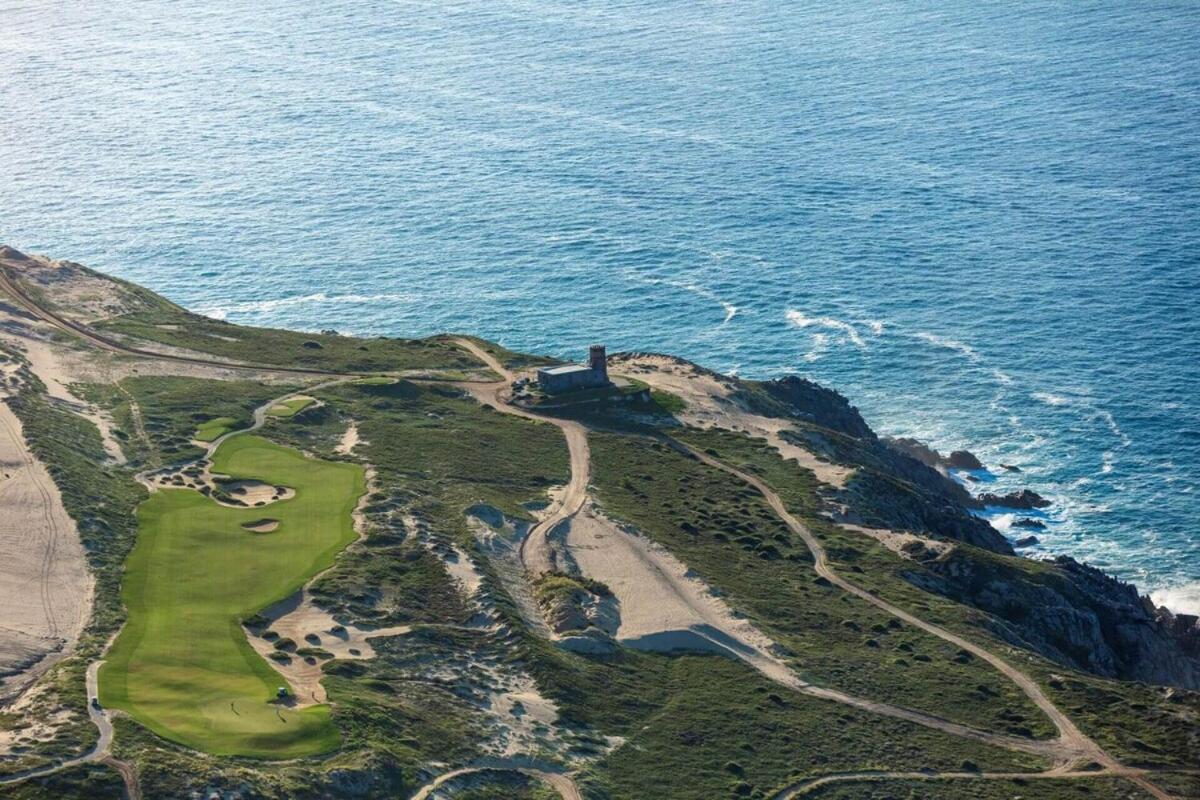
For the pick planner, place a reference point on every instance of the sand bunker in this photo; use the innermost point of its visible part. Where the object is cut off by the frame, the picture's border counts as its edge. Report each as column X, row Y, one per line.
column 710, row 403
column 256, row 493
column 315, row 630
column 662, row 605
column 261, row 525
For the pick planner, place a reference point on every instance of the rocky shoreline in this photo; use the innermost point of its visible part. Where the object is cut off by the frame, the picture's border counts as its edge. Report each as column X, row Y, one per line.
column 1074, row 614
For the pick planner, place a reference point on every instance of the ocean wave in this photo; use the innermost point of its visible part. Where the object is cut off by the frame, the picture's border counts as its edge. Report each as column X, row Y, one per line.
column 729, row 308
column 1049, row 399
column 847, row 331
column 223, row 310
column 1182, row 599
column 820, row 345
column 962, row 348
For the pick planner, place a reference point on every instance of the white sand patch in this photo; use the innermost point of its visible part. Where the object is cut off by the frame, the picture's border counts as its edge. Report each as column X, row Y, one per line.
column 710, row 403
column 897, row 541
column 257, row 493
column 298, row 619
column 461, row 568
column 52, row 365
column 349, row 440
column 45, row 585
column 261, row 525
column 662, row 605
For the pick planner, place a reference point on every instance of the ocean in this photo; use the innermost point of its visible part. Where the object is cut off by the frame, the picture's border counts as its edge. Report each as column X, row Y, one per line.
column 980, row 222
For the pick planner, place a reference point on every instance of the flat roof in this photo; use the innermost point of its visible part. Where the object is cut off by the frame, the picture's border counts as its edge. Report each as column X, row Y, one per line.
column 566, row 369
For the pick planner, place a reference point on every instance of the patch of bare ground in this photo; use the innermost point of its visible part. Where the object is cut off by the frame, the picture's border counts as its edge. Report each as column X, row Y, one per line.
column 349, row 440
column 45, row 585
column 261, row 525
column 661, row 605
column 906, row 545
column 710, row 402
column 74, row 290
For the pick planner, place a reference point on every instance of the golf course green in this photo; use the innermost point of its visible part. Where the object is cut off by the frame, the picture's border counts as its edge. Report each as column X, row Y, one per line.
column 182, row 665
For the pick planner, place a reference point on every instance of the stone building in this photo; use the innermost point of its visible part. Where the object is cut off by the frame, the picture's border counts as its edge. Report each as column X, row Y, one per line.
column 569, row 377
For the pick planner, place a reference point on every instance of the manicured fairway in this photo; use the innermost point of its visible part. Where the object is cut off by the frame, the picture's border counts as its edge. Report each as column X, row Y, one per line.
column 182, row 665
column 290, row 407
column 214, row 429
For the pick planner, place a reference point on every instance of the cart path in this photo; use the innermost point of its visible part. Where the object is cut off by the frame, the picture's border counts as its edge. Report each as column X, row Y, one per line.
column 560, row 782
column 536, row 553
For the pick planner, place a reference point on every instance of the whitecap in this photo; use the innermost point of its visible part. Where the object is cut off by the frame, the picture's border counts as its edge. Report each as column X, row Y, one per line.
column 846, row 329
column 1183, row 599
column 950, row 344
column 1049, row 399
column 318, row 298
column 820, row 345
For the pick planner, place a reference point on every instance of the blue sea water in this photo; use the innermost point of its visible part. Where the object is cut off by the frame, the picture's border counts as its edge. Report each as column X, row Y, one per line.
column 980, row 221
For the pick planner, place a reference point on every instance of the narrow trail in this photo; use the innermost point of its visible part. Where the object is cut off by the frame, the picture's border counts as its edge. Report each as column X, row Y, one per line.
column 10, row 285
column 809, row 785
column 560, row 782
column 1071, row 747
column 100, row 752
column 535, row 552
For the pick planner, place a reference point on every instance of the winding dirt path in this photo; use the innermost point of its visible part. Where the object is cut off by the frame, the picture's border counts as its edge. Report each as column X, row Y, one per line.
column 536, row 553
column 560, row 782
column 100, row 752
column 1071, row 747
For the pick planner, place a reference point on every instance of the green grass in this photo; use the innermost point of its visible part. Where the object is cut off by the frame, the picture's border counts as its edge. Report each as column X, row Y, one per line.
column 182, row 665
column 271, row 346
column 724, row 531
column 214, row 429
column 290, row 407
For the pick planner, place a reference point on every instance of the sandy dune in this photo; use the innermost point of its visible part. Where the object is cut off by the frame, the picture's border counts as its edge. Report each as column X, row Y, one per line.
column 710, row 404
column 349, row 440
column 663, row 606
column 45, row 586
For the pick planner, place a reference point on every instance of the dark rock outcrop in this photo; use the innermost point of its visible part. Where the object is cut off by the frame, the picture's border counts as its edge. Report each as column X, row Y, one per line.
column 1026, row 541
column 811, row 402
column 1032, row 524
column 1026, row 499
column 1075, row 615
column 964, row 459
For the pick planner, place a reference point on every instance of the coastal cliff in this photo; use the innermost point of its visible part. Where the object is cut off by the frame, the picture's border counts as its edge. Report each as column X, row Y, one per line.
column 1069, row 612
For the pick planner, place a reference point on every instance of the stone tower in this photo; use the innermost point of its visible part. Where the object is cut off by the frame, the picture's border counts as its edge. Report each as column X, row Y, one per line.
column 598, row 361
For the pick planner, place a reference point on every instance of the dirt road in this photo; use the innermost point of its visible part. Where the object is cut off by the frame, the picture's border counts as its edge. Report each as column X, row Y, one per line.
column 560, row 782
column 536, row 552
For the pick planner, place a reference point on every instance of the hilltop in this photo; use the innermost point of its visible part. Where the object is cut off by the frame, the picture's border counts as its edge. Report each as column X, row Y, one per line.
column 293, row 564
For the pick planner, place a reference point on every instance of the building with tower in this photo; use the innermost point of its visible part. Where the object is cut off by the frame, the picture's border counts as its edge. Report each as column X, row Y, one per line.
column 569, row 377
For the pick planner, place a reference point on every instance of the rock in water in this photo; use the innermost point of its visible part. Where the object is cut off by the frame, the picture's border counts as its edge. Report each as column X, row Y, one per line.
column 1033, row 524
column 1010, row 468
column 964, row 459
column 1026, row 541
column 1025, row 499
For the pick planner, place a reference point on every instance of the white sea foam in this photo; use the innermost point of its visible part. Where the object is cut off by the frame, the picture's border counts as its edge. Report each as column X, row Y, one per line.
column 1184, row 599
column 222, row 311
column 820, row 345
column 846, row 330
column 729, row 308
column 1049, row 399
column 950, row 344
